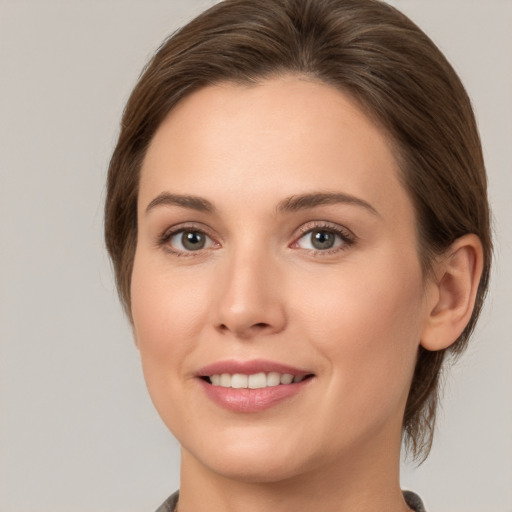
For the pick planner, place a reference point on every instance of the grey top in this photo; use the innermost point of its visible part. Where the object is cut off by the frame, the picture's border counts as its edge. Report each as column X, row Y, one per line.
column 412, row 500
column 169, row 504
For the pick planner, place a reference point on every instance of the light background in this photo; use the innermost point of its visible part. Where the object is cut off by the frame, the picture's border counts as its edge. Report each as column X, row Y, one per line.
column 77, row 430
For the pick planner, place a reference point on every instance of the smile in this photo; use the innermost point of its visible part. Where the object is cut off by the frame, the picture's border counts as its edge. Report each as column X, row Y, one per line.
column 254, row 381
column 252, row 386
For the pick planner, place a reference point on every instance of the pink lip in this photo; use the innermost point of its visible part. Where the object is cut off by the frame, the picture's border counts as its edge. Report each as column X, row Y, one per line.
column 249, row 367
column 250, row 400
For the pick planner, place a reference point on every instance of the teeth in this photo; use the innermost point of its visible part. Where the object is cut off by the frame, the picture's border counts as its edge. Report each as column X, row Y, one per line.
column 258, row 380
column 273, row 379
column 286, row 378
column 225, row 380
column 239, row 381
column 254, row 381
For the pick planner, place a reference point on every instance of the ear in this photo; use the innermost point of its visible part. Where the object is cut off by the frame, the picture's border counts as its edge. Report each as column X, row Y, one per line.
column 452, row 292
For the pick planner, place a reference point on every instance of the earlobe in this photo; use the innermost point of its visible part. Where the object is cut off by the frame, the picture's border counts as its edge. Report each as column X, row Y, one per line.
column 457, row 276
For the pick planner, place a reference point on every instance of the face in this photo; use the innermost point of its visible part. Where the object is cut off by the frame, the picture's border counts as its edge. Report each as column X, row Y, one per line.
column 277, row 296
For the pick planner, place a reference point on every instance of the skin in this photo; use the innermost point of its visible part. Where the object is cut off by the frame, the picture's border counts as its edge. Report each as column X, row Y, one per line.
column 353, row 315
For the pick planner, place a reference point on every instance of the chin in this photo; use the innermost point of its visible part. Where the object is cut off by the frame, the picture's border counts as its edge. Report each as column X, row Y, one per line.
column 252, row 462
column 262, row 470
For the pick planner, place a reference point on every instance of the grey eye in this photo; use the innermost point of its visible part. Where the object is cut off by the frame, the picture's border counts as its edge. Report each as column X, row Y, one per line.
column 320, row 240
column 323, row 239
column 190, row 240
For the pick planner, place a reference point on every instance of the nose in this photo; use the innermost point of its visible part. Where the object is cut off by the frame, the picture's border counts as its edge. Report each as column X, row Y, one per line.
column 250, row 297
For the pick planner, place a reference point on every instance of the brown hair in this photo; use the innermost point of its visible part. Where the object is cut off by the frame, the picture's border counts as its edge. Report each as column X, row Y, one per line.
column 367, row 49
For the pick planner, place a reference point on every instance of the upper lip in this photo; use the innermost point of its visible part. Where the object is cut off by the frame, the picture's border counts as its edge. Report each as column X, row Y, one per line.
column 250, row 367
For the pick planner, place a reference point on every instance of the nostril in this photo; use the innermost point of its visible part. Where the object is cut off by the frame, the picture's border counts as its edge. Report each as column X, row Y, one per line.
column 261, row 325
column 245, row 329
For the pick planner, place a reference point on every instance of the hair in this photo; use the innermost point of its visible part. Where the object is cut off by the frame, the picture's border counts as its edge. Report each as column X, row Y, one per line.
column 389, row 67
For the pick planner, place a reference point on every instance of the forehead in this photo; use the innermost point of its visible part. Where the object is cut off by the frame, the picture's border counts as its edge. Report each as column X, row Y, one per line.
column 285, row 136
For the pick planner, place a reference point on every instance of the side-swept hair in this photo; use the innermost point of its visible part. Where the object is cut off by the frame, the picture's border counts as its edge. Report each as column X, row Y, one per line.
column 366, row 49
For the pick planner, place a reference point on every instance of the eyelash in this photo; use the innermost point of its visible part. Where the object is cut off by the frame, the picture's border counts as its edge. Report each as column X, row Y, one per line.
column 165, row 238
column 347, row 238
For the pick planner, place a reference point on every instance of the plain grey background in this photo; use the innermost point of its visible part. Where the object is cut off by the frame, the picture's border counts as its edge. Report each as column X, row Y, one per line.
column 77, row 430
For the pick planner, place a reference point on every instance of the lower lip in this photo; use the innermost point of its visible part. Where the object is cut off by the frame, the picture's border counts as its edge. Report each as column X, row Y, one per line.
column 251, row 400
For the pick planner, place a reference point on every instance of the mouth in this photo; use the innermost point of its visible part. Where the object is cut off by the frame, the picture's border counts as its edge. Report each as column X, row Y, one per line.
column 257, row 380
column 252, row 386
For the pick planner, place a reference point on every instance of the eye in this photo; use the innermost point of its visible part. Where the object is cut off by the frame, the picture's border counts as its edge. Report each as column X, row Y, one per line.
column 320, row 240
column 324, row 239
column 188, row 240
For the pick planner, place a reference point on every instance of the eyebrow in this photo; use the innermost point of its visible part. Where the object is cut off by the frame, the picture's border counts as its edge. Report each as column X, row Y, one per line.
column 305, row 201
column 290, row 204
column 185, row 201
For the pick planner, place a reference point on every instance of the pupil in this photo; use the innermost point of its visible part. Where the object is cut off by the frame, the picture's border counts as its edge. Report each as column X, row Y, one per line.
column 192, row 240
column 322, row 240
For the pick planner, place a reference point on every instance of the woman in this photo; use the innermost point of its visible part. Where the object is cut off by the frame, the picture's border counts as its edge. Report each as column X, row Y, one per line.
column 297, row 216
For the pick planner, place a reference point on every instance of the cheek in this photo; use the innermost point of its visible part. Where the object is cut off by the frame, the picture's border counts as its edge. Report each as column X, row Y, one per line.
column 167, row 310
column 167, row 316
column 368, row 301
column 367, row 325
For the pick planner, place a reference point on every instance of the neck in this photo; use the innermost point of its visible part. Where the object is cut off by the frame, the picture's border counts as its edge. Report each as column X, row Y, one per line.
column 366, row 483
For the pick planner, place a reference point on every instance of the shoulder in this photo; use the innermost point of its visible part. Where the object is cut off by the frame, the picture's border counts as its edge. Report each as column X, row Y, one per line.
column 414, row 501
column 411, row 498
column 169, row 504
